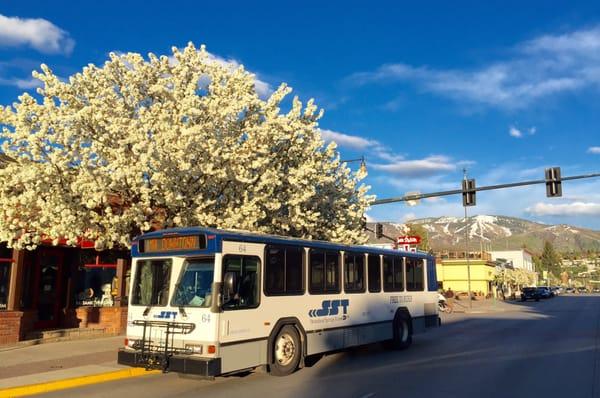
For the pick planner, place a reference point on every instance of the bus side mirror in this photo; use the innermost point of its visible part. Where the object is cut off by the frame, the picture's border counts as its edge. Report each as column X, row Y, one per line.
column 229, row 285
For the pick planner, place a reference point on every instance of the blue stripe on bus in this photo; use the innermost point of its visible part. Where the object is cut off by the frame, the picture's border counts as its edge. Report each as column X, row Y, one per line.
column 214, row 245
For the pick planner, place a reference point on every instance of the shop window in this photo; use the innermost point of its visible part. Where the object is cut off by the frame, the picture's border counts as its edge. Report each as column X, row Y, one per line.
column 97, row 284
column 5, row 267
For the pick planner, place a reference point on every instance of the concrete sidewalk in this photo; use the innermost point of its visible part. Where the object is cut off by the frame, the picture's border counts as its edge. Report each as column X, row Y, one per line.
column 483, row 306
column 59, row 365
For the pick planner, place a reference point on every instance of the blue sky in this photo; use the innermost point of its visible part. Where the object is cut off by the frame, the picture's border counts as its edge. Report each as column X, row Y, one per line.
column 503, row 90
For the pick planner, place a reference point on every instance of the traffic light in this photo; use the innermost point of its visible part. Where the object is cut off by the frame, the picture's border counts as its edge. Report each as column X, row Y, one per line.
column 378, row 231
column 468, row 192
column 363, row 222
column 553, row 182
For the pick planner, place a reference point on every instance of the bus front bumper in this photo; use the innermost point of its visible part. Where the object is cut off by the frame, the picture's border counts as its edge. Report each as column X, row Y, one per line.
column 207, row 367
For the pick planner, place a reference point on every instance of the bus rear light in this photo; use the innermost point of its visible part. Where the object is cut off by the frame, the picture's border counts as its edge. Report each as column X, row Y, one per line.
column 211, row 349
column 126, row 342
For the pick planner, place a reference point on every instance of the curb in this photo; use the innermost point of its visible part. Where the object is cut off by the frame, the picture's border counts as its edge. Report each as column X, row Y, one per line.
column 73, row 382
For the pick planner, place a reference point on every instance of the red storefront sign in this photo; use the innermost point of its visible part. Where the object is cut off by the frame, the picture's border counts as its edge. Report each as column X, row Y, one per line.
column 408, row 240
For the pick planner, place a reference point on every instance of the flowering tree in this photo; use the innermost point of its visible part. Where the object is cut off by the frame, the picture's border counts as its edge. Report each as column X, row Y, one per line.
column 164, row 142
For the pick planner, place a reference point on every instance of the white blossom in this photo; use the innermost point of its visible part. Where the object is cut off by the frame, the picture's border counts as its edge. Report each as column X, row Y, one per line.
column 169, row 141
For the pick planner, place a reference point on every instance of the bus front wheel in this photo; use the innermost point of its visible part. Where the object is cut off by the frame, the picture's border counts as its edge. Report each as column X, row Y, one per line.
column 287, row 351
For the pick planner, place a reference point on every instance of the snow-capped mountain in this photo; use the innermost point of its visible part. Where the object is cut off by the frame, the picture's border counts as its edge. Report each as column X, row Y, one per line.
column 496, row 233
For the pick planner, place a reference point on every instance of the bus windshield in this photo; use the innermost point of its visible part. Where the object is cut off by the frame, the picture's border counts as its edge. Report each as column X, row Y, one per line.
column 151, row 283
column 194, row 288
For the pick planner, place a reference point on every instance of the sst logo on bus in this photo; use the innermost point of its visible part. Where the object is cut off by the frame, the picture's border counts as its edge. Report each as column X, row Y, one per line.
column 330, row 308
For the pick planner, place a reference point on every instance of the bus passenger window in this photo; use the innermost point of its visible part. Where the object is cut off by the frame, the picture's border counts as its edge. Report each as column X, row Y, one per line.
column 414, row 275
column 354, row 273
column 374, row 273
column 393, row 277
column 247, row 291
column 284, row 271
column 324, row 272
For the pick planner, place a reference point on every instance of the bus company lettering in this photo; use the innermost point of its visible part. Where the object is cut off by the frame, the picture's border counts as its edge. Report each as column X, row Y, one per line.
column 400, row 299
column 330, row 308
column 166, row 315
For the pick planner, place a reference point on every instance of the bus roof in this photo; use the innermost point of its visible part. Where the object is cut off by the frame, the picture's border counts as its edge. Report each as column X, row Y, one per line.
column 255, row 237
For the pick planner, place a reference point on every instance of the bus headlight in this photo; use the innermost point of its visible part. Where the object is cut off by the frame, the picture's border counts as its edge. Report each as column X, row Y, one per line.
column 194, row 348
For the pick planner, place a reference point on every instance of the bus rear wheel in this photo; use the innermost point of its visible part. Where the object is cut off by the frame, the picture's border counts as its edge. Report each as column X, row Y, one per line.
column 287, row 352
column 402, row 333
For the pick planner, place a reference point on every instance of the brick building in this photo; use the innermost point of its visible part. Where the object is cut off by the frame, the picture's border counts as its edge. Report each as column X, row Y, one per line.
column 61, row 287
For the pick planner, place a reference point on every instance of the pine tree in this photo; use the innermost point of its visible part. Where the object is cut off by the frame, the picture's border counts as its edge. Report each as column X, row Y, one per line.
column 550, row 260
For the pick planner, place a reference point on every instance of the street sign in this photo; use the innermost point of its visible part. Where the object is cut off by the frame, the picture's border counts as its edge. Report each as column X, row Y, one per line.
column 408, row 240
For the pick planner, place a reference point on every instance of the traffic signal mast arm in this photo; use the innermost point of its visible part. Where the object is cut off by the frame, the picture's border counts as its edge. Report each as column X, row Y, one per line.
column 485, row 188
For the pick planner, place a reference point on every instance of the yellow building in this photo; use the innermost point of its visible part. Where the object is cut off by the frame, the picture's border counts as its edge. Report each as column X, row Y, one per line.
column 452, row 271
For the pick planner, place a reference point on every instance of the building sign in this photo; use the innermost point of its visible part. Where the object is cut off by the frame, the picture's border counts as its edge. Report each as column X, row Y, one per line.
column 173, row 243
column 408, row 240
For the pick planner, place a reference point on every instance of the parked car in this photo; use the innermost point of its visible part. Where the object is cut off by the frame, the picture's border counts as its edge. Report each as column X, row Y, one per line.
column 570, row 290
column 596, row 290
column 581, row 290
column 545, row 292
column 530, row 293
column 557, row 290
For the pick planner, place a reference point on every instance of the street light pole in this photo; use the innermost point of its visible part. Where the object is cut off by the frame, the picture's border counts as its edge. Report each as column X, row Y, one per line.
column 467, row 250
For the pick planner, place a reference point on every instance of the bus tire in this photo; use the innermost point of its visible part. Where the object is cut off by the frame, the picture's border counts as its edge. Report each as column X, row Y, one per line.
column 402, row 331
column 287, row 352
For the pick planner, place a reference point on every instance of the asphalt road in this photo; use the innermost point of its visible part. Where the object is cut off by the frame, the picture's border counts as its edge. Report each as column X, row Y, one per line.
column 545, row 349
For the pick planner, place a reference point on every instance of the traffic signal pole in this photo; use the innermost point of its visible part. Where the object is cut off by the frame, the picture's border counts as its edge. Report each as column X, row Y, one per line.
column 484, row 188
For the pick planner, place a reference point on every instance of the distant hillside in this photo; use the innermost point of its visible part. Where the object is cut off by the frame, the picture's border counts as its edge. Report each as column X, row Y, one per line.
column 497, row 233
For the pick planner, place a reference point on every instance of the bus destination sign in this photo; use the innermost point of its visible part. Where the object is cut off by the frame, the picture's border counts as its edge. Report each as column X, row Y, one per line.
column 174, row 243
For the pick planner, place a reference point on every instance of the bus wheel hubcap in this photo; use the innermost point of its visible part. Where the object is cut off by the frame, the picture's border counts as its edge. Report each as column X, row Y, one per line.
column 285, row 349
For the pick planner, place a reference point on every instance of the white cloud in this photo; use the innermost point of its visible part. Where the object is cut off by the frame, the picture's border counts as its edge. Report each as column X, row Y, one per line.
column 346, row 140
column 565, row 209
column 594, row 150
column 367, row 146
column 38, row 33
column 426, row 167
column 535, row 69
column 514, row 132
column 24, row 84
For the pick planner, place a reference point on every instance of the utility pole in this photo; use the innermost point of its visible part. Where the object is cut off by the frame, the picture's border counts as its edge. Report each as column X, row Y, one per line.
column 467, row 249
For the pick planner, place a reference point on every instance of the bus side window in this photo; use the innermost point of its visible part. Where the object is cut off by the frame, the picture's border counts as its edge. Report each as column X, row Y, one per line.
column 415, row 280
column 374, row 264
column 246, row 268
column 354, row 273
column 393, row 277
column 324, row 272
column 284, row 270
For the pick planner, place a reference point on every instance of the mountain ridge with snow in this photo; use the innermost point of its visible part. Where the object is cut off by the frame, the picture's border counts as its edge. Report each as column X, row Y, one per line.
column 495, row 232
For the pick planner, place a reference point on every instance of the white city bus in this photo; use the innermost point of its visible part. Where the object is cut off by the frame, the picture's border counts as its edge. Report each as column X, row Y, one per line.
column 209, row 302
